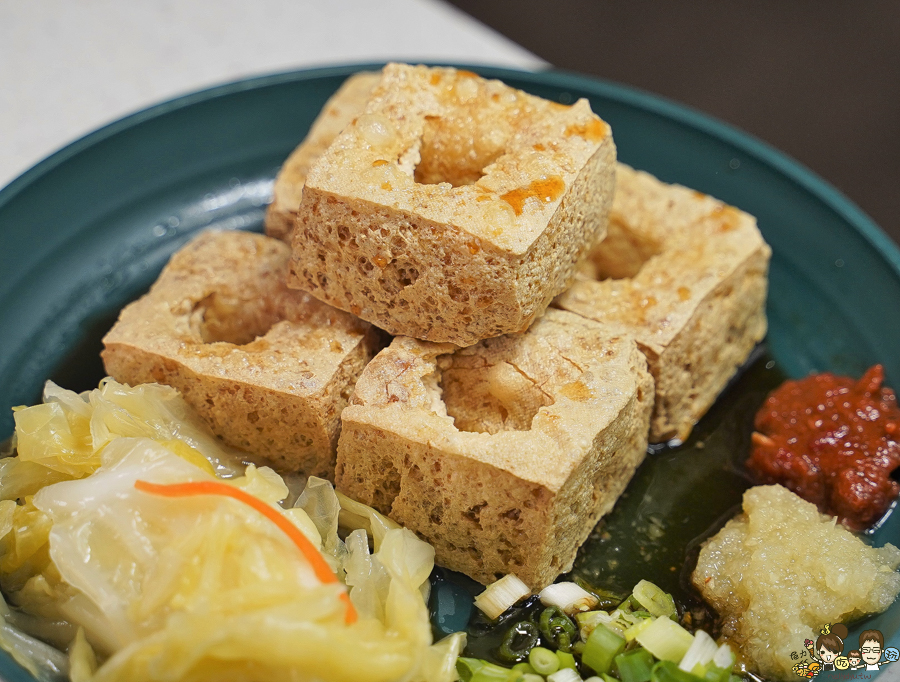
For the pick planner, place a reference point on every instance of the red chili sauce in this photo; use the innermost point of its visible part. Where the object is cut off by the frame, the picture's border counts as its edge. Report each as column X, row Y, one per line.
column 834, row 442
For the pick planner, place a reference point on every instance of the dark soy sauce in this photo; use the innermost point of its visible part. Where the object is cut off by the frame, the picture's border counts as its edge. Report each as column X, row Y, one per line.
column 679, row 496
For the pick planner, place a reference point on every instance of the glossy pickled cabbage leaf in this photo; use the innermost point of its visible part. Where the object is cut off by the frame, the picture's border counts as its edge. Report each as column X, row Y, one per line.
column 202, row 587
column 355, row 515
column 63, row 438
column 82, row 659
column 44, row 662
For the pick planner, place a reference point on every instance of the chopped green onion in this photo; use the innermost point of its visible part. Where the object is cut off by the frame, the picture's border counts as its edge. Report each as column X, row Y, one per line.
column 652, row 598
column 532, row 677
column 588, row 621
column 666, row 640
column 601, row 648
column 723, row 657
column 477, row 670
column 629, row 605
column 606, row 600
column 615, row 621
column 712, row 673
column 632, row 632
column 603, row 678
column 496, row 673
column 566, row 660
column 564, row 675
column 667, row 671
column 702, row 650
column 466, row 667
column 543, row 661
column 500, row 595
column 568, row 597
column 582, row 619
column 523, row 667
column 635, row 666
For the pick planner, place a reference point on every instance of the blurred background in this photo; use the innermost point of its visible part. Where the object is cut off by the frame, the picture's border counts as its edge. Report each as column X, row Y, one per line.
column 819, row 79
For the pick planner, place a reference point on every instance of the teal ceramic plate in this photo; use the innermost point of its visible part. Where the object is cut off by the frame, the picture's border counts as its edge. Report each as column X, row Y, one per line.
column 88, row 229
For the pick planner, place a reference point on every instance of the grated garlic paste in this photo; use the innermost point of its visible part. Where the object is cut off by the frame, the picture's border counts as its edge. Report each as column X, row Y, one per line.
column 781, row 570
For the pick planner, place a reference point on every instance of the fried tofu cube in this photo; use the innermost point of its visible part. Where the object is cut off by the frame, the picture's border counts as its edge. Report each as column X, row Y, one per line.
column 685, row 276
column 454, row 208
column 340, row 109
column 268, row 368
column 502, row 455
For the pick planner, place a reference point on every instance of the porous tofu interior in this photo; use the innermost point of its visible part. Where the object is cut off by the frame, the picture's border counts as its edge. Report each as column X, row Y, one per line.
column 685, row 276
column 242, row 311
column 470, row 135
column 499, row 385
column 505, row 454
column 268, row 368
column 666, row 247
column 781, row 570
column 622, row 253
column 461, row 149
column 223, row 318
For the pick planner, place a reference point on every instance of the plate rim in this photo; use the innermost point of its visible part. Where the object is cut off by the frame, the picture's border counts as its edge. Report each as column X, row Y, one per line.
column 788, row 167
column 629, row 95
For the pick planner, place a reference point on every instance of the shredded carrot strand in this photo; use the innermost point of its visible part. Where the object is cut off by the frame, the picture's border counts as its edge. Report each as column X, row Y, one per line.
column 320, row 567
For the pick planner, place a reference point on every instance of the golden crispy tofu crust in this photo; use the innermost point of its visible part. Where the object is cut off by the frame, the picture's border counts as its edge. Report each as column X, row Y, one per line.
column 505, row 454
column 686, row 276
column 268, row 368
column 340, row 109
column 454, row 208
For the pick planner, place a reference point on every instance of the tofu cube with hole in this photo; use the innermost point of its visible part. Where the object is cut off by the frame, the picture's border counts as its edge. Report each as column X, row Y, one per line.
column 268, row 368
column 686, row 276
column 502, row 455
column 453, row 208
column 340, row 109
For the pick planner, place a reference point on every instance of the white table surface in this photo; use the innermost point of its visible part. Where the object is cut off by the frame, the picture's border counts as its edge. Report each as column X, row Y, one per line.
column 68, row 67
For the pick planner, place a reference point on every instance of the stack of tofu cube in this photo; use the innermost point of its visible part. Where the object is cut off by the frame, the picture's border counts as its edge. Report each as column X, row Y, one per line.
column 549, row 312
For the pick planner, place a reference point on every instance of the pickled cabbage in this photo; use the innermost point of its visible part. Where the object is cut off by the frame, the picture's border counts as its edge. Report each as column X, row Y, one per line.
column 142, row 586
column 63, row 438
